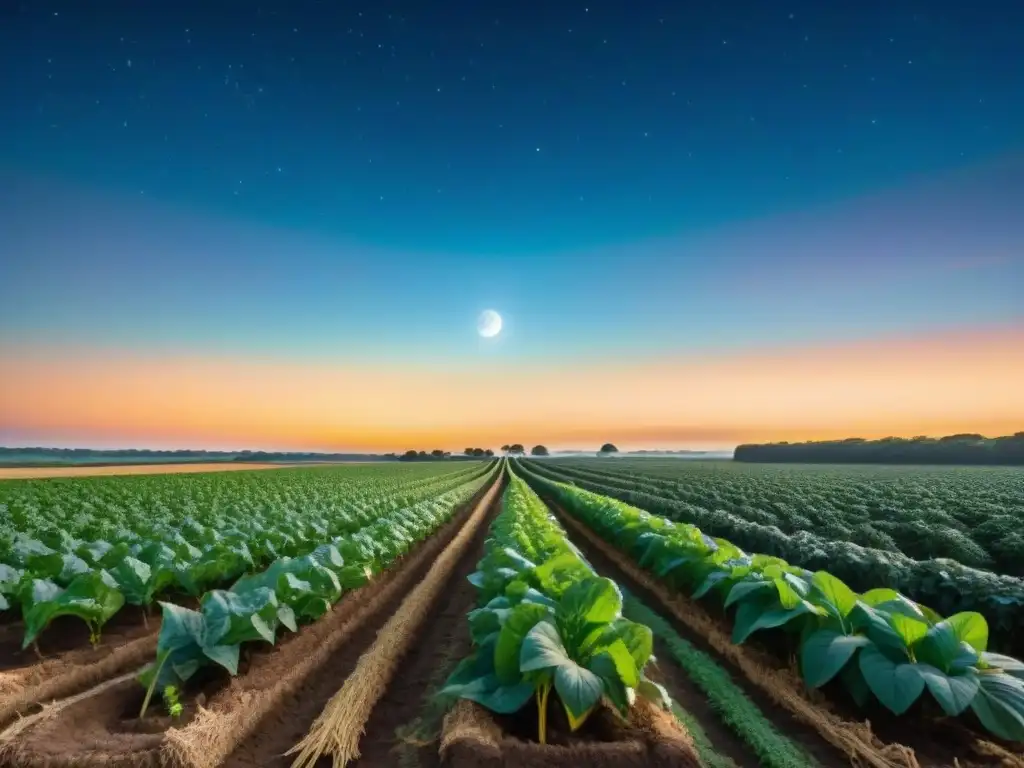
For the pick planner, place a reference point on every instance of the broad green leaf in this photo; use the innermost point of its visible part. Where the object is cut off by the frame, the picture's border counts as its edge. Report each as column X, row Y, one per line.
column 134, row 578
column 999, row 704
column 939, row 646
column 825, row 652
column 746, row 588
column 953, row 692
column 878, row 596
column 713, row 579
column 910, row 630
column 518, row 623
column 832, row 594
column 753, row 616
column 875, row 625
column 625, row 666
column 620, row 696
column 542, row 648
column 579, row 689
column 970, row 628
column 638, row 639
column 232, row 617
column 594, row 600
column 897, row 686
column 503, row 699
column 92, row 597
column 788, row 597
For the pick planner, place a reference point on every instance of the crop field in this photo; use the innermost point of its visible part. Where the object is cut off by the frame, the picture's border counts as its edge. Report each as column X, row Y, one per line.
column 950, row 537
column 91, row 470
column 576, row 612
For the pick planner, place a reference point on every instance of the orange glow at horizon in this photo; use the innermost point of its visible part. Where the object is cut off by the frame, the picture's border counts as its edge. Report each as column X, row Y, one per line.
column 968, row 381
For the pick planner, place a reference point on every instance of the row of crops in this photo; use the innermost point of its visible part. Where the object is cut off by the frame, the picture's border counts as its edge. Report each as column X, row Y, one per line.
column 876, row 645
column 968, row 514
column 548, row 623
column 291, row 541
column 809, row 517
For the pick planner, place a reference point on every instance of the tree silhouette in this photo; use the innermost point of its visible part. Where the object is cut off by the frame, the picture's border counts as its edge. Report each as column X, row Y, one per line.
column 437, row 453
column 517, row 448
column 609, row 448
column 539, row 450
column 488, row 452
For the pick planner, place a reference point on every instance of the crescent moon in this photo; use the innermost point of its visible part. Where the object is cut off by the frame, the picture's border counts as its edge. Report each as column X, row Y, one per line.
column 488, row 324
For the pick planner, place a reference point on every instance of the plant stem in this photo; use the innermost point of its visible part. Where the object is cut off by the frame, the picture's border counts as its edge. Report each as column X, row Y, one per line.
column 152, row 684
column 543, row 712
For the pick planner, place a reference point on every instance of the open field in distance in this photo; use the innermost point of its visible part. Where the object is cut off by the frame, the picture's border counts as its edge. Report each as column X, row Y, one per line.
column 31, row 473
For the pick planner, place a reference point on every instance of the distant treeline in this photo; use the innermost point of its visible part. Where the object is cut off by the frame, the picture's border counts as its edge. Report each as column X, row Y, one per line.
column 953, row 449
column 146, row 455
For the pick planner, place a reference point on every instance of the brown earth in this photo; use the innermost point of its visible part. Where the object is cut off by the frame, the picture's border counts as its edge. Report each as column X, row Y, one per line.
column 86, row 734
column 440, row 647
column 474, row 738
column 32, row 473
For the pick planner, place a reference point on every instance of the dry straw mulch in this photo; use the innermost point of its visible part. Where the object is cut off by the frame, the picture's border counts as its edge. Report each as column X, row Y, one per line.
column 338, row 729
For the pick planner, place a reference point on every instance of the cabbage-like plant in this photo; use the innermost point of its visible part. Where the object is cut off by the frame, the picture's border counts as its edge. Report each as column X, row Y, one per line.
column 553, row 625
column 879, row 643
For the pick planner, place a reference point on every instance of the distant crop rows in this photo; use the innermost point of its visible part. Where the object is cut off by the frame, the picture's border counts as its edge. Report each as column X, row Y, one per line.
column 951, row 538
column 88, row 547
column 878, row 644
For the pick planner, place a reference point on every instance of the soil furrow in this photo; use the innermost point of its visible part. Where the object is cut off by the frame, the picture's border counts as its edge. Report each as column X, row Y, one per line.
column 443, row 644
column 690, row 697
column 291, row 719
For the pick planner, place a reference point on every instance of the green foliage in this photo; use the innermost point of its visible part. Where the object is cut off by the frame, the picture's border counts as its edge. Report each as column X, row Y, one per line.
column 86, row 546
column 879, row 643
column 291, row 590
column 926, row 532
column 548, row 622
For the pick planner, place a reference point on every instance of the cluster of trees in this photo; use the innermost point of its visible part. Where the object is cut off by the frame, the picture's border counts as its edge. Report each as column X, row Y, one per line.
column 517, row 449
column 478, row 452
column 952, row 449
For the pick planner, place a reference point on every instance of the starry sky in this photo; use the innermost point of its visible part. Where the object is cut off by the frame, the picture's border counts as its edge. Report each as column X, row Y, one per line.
column 703, row 223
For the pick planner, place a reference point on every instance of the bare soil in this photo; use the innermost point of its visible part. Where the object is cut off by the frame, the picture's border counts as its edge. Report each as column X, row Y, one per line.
column 446, row 640
column 32, row 473
column 474, row 738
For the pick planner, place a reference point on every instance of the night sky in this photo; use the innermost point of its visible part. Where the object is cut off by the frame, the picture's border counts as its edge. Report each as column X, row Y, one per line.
column 351, row 183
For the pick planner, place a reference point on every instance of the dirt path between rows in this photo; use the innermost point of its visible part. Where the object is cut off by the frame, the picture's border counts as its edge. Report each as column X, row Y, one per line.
column 278, row 733
column 444, row 643
column 691, row 697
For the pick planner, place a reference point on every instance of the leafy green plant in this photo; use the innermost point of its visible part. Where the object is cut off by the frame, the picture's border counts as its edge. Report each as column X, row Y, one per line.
column 291, row 590
column 879, row 643
column 87, row 546
column 92, row 596
column 548, row 624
